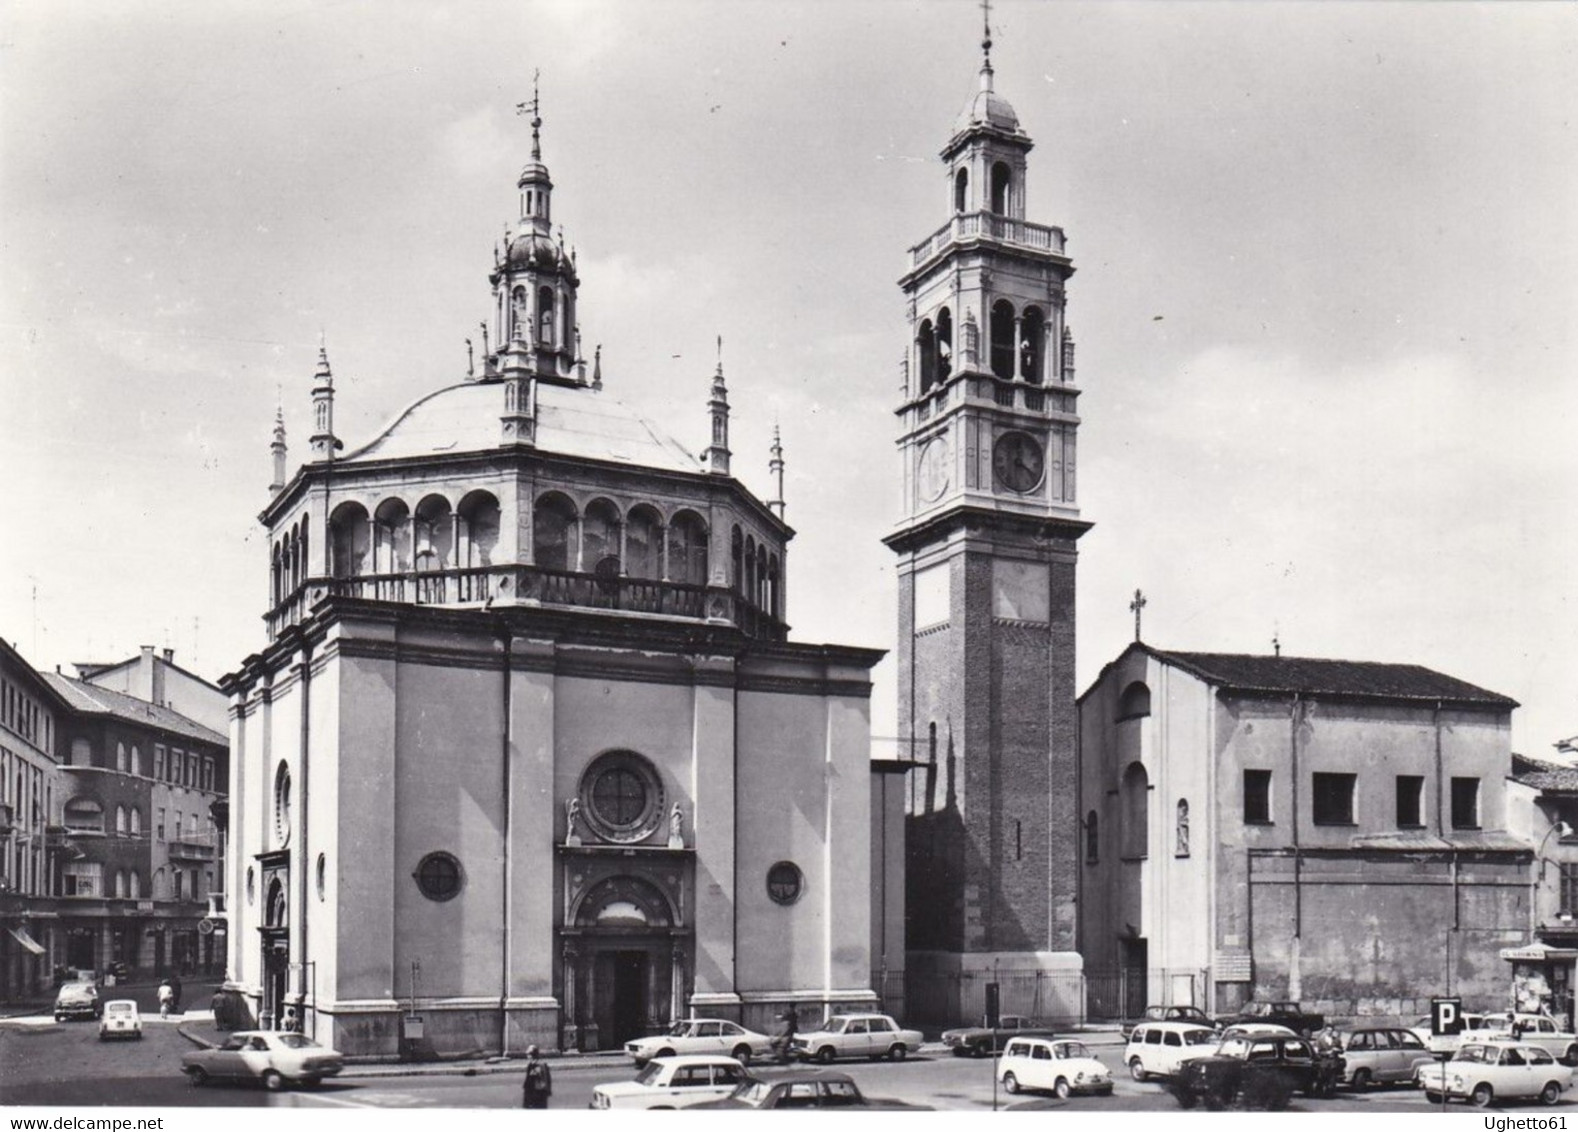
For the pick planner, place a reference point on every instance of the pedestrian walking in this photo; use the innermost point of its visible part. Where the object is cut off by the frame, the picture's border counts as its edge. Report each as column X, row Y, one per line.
column 538, row 1085
column 166, row 997
column 175, row 988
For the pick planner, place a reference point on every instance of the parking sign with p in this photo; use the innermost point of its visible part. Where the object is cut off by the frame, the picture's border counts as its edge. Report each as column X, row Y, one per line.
column 1446, row 1016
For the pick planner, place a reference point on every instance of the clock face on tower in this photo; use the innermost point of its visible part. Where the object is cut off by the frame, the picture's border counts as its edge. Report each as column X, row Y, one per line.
column 1018, row 461
column 932, row 474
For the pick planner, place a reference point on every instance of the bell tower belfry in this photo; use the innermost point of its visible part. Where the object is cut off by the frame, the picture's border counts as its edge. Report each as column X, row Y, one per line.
column 986, row 561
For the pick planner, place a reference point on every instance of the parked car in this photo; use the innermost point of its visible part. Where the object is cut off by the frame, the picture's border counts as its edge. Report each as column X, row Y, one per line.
column 857, row 1035
column 1537, row 1029
column 1482, row 1072
column 1253, row 1071
column 822, row 1089
column 120, row 1020
column 674, row 1082
column 1448, row 1043
column 978, row 1041
column 1288, row 1014
column 716, row 1036
column 1376, row 1055
column 1061, row 1067
column 275, row 1058
column 77, row 1000
column 1156, row 1049
column 1171, row 1014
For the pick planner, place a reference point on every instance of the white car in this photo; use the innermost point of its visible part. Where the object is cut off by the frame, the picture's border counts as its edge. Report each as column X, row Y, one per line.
column 276, row 1058
column 1058, row 1066
column 1157, row 1049
column 702, row 1035
column 1482, row 1072
column 1538, row 1029
column 857, row 1035
column 1448, row 1043
column 674, row 1082
column 120, row 1020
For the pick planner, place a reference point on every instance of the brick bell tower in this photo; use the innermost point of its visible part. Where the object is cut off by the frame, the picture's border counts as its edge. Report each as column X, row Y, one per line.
column 986, row 557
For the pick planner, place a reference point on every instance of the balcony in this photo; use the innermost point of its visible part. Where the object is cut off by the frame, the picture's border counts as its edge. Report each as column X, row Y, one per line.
column 537, row 585
column 990, row 226
column 191, row 849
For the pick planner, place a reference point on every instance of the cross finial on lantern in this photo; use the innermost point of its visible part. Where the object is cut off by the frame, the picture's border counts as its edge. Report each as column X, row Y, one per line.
column 1137, row 605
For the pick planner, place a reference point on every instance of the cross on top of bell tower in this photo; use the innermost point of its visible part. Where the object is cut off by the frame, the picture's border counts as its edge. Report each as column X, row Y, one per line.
column 1137, row 605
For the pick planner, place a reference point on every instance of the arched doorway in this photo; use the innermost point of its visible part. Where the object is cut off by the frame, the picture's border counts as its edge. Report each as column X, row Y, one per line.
column 624, row 963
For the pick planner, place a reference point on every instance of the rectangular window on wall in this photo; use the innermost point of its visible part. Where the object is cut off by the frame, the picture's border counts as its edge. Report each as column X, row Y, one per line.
column 1410, row 801
column 1257, row 797
column 158, row 827
column 1465, row 803
column 180, row 885
column 1569, row 894
column 1332, row 798
column 158, row 761
column 175, row 765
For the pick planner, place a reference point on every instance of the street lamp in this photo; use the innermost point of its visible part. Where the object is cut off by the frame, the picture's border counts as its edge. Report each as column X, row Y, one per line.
column 1537, row 873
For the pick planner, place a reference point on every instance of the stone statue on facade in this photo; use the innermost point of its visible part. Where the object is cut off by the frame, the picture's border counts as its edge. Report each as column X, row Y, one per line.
column 572, row 814
column 676, row 828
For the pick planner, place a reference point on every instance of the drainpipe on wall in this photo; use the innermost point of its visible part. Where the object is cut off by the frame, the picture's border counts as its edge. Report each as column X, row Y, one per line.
column 1295, row 974
column 302, row 842
column 509, row 846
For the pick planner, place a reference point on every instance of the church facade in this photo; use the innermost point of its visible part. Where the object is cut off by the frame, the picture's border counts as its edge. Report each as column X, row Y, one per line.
column 986, row 554
column 530, row 756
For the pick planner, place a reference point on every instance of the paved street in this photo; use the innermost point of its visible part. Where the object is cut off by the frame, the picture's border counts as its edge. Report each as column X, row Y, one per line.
column 48, row 1063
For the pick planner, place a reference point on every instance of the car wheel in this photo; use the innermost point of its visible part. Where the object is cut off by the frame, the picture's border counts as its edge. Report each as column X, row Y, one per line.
column 198, row 1076
column 825, row 1055
column 1061, row 1089
column 1482, row 1095
column 1551, row 1093
column 742, row 1054
column 1361, row 1078
column 1185, row 1098
column 1137, row 1070
column 1010, row 1083
column 664, row 1052
column 273, row 1080
column 898, row 1051
column 59, row 1017
column 1433, row 1098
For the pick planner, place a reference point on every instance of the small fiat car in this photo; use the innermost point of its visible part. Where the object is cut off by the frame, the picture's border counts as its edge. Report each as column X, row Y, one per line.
column 1483, row 1072
column 120, row 1020
column 1060, row 1067
column 857, row 1035
column 1157, row 1049
column 674, row 1082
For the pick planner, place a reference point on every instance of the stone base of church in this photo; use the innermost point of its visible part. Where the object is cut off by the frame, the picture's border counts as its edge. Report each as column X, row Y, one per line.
column 385, row 1030
column 948, row 988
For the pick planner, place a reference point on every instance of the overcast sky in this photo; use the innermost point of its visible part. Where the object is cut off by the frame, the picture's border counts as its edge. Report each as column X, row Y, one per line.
column 1327, row 274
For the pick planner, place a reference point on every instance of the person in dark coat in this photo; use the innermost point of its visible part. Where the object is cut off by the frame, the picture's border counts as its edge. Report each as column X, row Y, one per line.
column 538, row 1085
column 175, row 986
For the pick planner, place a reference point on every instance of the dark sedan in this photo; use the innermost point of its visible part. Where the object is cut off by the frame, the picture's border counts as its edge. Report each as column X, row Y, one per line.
column 1256, row 1071
column 978, row 1041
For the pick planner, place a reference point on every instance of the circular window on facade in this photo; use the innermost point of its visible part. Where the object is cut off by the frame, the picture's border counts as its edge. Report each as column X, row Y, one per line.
column 439, row 876
column 785, row 882
column 323, row 868
column 622, row 797
column 282, row 805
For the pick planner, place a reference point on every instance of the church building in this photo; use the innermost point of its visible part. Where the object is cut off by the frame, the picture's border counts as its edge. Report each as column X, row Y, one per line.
column 986, row 559
column 530, row 756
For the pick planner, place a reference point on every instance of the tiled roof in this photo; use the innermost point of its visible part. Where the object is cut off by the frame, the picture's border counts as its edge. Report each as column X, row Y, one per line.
column 103, row 701
column 1551, row 777
column 1345, row 678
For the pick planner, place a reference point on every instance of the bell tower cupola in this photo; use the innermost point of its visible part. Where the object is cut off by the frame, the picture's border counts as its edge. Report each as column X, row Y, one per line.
column 534, row 280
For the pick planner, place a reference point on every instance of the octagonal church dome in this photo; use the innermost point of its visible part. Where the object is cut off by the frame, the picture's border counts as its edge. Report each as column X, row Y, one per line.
column 579, row 421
